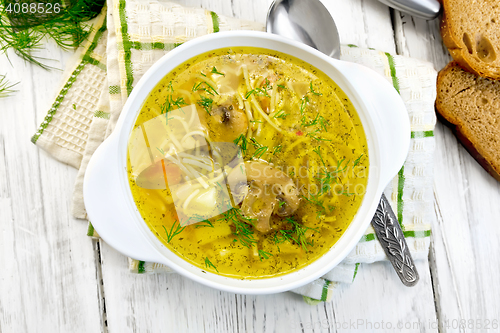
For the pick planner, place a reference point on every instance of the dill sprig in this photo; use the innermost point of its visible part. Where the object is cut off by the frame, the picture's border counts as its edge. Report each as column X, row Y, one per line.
column 25, row 32
column 264, row 255
column 174, row 230
column 304, row 101
column 208, row 264
column 6, row 87
column 215, row 71
column 242, row 142
column 206, row 103
column 328, row 177
column 257, row 92
column 242, row 227
column 170, row 102
column 280, row 114
column 296, row 234
column 208, row 88
column 312, row 90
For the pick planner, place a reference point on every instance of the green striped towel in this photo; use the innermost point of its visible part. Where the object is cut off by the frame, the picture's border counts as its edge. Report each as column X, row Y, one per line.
column 131, row 35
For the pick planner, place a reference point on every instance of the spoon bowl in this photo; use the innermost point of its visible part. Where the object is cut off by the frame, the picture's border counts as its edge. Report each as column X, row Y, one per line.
column 306, row 21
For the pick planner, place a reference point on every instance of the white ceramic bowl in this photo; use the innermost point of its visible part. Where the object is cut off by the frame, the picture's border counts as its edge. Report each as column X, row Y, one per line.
column 113, row 213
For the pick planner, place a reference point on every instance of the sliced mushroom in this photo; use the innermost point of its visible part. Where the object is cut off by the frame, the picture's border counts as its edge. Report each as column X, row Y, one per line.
column 226, row 122
column 270, row 191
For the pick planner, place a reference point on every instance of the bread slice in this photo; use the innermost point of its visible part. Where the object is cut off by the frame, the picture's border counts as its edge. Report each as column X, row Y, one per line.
column 471, row 106
column 471, row 32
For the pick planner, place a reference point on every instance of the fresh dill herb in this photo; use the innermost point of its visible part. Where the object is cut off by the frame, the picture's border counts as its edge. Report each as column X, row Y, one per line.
column 281, row 204
column 281, row 114
column 314, row 135
column 204, row 223
column 6, row 87
column 242, row 227
column 256, row 121
column 208, row 264
column 277, row 149
column 356, row 162
column 206, row 103
column 267, row 84
column 208, row 89
column 174, row 230
column 312, row 90
column 25, row 33
column 281, row 86
column 257, row 92
column 161, row 151
column 170, row 87
column 255, row 143
column 203, row 74
column 328, row 177
column 242, row 142
column 215, row 71
column 297, row 234
column 264, row 255
column 304, row 100
column 170, row 102
column 259, row 152
column 319, row 120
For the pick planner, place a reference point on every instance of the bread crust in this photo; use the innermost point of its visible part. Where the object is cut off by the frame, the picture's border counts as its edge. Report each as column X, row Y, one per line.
column 468, row 57
column 461, row 130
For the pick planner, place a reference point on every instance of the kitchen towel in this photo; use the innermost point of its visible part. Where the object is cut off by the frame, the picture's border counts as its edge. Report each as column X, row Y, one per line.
column 129, row 36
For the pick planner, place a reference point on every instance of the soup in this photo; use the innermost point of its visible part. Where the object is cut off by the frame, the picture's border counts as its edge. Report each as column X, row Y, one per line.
column 247, row 162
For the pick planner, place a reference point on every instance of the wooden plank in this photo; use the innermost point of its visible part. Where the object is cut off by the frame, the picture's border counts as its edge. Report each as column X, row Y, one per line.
column 467, row 209
column 48, row 273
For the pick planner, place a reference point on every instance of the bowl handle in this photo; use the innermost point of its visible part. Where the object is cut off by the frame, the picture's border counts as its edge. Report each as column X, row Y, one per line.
column 389, row 116
column 107, row 206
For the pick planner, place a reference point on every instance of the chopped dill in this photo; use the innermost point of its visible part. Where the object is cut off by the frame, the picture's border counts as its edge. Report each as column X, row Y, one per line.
column 312, row 90
column 6, row 87
column 304, row 100
column 25, row 33
column 264, row 255
column 356, row 162
column 174, row 230
column 204, row 223
column 208, row 89
column 319, row 120
column 208, row 264
column 257, row 92
column 206, row 103
column 242, row 227
column 161, row 151
column 256, row 121
column 314, row 135
column 259, row 152
column 170, row 102
column 281, row 86
column 255, row 143
column 328, row 177
column 297, row 234
column 281, row 114
column 215, row 71
column 277, row 149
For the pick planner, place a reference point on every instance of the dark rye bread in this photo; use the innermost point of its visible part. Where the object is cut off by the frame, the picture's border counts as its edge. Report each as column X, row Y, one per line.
column 471, row 106
column 471, row 32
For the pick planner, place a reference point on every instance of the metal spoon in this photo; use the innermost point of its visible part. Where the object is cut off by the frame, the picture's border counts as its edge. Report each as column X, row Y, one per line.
column 309, row 22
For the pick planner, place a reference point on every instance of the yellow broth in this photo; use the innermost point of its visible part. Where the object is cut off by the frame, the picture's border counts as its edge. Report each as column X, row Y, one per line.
column 320, row 145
